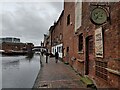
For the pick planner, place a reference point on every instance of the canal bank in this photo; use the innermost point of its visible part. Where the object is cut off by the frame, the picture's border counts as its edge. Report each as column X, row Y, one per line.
column 57, row 75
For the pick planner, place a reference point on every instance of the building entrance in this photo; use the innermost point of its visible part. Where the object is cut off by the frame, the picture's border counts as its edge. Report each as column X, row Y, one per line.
column 89, row 62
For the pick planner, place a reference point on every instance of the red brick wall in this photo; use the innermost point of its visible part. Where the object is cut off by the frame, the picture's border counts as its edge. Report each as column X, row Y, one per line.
column 68, row 30
column 12, row 46
column 111, row 43
column 58, row 29
column 111, row 36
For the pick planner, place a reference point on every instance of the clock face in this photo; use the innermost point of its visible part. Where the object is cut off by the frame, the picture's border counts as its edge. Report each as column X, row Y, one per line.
column 99, row 16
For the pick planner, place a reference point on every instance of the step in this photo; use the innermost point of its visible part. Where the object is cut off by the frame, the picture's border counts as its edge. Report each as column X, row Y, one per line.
column 88, row 82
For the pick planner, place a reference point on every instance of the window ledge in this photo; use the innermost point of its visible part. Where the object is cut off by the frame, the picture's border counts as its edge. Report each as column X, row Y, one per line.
column 73, row 58
column 113, row 71
column 80, row 52
column 79, row 60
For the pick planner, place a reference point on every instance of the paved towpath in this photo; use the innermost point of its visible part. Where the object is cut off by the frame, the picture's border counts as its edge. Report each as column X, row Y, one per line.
column 57, row 75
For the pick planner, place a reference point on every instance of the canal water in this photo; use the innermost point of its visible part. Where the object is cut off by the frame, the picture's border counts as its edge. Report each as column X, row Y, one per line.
column 19, row 71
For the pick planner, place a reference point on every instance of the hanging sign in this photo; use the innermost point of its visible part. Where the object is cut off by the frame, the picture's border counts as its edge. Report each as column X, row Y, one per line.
column 99, row 16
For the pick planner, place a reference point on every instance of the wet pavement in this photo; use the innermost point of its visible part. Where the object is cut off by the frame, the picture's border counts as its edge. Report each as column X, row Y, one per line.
column 57, row 75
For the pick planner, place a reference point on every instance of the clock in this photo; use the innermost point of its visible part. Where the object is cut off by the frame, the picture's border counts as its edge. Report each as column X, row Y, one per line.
column 99, row 16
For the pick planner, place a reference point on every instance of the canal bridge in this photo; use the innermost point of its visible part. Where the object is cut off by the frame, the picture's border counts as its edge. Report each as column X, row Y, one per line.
column 38, row 48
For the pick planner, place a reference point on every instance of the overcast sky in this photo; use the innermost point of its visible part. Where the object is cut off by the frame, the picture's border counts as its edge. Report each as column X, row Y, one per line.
column 29, row 21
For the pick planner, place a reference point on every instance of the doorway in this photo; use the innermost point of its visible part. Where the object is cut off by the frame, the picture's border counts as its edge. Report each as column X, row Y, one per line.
column 89, row 55
column 67, row 54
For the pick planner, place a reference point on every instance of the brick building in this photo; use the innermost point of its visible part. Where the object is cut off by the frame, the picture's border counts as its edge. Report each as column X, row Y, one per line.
column 47, row 42
column 9, row 46
column 68, row 31
column 91, row 41
column 14, row 45
column 87, row 36
column 56, row 35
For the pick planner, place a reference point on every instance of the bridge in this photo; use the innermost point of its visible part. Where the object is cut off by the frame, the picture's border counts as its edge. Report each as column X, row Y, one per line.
column 38, row 48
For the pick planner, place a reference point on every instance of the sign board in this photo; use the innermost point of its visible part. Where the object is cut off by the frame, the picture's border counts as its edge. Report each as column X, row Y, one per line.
column 99, row 16
column 98, row 43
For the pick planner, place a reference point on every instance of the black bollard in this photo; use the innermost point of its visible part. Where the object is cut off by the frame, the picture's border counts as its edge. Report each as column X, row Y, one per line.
column 46, row 55
column 46, row 58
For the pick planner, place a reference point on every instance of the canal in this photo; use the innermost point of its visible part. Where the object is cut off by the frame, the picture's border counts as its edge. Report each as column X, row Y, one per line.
column 19, row 71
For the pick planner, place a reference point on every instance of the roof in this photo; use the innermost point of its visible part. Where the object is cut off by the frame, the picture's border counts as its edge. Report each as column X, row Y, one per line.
column 53, row 26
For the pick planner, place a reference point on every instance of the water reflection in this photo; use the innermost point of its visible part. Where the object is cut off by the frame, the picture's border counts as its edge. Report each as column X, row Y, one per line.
column 30, row 55
column 19, row 71
column 12, row 64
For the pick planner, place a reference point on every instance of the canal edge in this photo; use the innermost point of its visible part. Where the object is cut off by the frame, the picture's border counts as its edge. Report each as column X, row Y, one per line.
column 36, row 80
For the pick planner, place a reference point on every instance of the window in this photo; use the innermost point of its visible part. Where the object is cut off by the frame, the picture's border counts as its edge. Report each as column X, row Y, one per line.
column 68, row 19
column 67, row 49
column 78, row 14
column 80, row 46
column 57, row 39
column 91, row 44
column 57, row 49
column 60, row 36
column 60, row 49
column 53, row 50
column 100, row 70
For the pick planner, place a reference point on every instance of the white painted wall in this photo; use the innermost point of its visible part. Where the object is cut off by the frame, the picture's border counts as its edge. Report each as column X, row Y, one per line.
column 57, row 48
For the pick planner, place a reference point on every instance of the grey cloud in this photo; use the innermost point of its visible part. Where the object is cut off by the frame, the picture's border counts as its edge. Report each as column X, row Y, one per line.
column 57, row 5
column 30, row 21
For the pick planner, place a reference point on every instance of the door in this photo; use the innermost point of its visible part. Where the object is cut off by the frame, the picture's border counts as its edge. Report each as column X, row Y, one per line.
column 89, row 63
column 67, row 55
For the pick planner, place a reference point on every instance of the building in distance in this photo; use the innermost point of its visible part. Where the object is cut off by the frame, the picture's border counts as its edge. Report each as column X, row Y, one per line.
column 10, row 39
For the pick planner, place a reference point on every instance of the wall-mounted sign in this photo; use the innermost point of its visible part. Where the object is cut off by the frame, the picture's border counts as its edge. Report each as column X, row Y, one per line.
column 98, row 43
column 99, row 15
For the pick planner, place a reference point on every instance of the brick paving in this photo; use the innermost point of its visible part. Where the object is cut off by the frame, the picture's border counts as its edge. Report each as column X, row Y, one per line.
column 57, row 75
